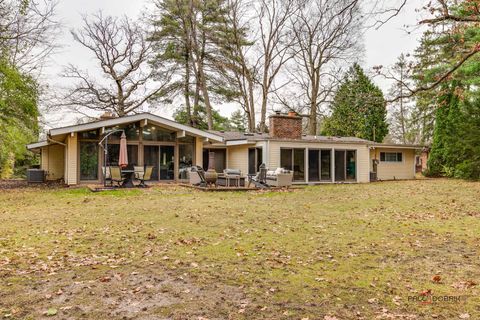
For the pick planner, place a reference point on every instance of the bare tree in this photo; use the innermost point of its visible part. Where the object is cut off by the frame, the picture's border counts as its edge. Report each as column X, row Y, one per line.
column 28, row 31
column 326, row 33
column 440, row 14
column 122, row 51
column 276, row 39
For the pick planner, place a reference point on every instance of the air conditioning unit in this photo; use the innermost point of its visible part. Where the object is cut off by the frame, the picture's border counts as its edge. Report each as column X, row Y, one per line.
column 35, row 176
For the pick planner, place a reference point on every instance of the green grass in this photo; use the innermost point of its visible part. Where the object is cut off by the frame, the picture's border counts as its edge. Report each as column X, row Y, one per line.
column 345, row 251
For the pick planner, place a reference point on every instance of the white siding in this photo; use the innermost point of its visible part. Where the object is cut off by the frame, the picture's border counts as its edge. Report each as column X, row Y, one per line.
column 53, row 161
column 72, row 168
column 237, row 158
column 363, row 157
column 395, row 170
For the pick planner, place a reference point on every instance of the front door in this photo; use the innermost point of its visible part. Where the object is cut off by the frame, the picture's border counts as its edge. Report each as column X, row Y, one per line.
column 167, row 163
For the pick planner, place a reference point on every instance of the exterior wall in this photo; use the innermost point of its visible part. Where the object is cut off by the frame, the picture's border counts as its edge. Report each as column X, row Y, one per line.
column 363, row 156
column 237, row 158
column 53, row 161
column 72, row 165
column 199, row 151
column 395, row 170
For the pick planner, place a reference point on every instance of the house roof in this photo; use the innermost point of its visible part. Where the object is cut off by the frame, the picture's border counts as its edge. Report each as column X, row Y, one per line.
column 241, row 136
column 238, row 138
column 396, row 146
column 170, row 124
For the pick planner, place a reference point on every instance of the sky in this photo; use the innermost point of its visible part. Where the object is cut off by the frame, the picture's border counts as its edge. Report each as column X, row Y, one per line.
column 382, row 46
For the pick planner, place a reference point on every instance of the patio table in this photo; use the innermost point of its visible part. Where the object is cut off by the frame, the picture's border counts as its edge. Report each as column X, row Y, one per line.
column 128, row 178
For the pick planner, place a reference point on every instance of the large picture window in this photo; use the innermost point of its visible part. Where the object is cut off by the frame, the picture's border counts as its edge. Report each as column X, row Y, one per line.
column 154, row 133
column 391, row 157
column 294, row 159
column 88, row 160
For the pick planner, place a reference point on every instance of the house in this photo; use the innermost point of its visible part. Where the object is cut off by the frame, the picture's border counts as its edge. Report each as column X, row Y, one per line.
column 73, row 153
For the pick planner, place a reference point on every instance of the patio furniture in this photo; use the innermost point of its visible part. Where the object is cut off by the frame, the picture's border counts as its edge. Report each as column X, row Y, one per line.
column 139, row 171
column 279, row 178
column 197, row 177
column 115, row 176
column 145, row 176
column 260, row 179
column 231, row 177
column 128, row 178
column 106, row 175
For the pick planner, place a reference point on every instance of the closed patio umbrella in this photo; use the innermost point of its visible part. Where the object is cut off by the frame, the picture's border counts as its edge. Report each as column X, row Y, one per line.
column 123, row 155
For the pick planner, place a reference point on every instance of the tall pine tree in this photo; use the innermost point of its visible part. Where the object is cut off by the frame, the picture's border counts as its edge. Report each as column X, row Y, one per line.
column 358, row 109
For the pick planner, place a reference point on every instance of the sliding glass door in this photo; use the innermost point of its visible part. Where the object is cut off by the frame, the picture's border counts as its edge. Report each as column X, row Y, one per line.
column 294, row 160
column 345, row 165
column 151, row 157
column 167, row 163
column 162, row 159
column 313, row 165
column 326, row 165
column 319, row 165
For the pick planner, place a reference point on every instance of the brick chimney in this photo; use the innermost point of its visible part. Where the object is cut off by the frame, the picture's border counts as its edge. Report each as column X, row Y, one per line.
column 285, row 126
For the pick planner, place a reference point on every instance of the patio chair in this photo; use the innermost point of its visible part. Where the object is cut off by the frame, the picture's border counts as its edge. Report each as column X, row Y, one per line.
column 201, row 175
column 116, row 176
column 139, row 171
column 260, row 179
column 107, row 175
column 146, row 176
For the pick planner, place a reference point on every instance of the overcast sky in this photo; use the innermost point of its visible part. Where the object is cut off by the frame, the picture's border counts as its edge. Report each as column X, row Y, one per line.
column 382, row 46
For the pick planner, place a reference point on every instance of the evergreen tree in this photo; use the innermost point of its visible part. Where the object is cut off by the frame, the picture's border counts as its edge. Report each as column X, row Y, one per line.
column 358, row 109
column 455, row 151
column 238, row 121
column 186, row 34
column 220, row 123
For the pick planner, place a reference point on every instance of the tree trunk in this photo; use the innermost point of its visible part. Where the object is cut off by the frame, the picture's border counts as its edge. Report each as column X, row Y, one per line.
column 263, row 111
column 187, row 90
column 312, row 120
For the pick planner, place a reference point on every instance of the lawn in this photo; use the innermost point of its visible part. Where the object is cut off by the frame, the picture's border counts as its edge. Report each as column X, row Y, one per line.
column 366, row 251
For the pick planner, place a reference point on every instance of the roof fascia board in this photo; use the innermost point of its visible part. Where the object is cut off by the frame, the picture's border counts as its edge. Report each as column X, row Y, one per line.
column 138, row 117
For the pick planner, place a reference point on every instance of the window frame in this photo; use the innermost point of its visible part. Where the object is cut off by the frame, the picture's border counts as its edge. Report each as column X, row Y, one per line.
column 384, row 153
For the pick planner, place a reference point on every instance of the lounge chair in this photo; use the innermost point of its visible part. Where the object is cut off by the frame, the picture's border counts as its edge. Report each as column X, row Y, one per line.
column 260, row 179
column 116, row 176
column 197, row 177
column 145, row 176
column 279, row 178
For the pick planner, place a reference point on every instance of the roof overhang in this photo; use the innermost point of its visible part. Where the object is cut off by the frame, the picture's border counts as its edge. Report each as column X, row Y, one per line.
column 146, row 117
column 239, row 142
column 37, row 145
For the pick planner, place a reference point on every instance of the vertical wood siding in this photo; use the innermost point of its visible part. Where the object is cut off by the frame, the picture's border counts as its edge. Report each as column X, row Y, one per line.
column 53, row 161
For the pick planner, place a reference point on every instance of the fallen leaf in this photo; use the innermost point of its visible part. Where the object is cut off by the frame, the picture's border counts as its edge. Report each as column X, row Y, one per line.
column 51, row 312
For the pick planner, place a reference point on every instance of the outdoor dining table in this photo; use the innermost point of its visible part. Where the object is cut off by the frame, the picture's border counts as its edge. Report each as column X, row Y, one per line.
column 128, row 178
